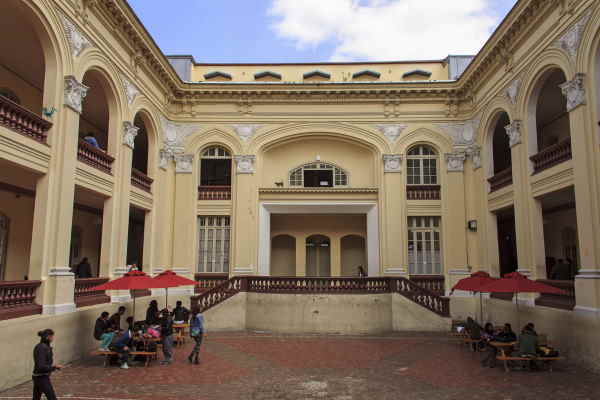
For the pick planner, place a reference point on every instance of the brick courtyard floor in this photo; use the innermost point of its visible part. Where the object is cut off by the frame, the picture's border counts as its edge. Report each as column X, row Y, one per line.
column 261, row 367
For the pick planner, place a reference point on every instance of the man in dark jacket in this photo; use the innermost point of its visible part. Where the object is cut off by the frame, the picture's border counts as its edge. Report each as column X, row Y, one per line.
column 83, row 270
column 166, row 333
column 103, row 331
column 180, row 314
column 115, row 319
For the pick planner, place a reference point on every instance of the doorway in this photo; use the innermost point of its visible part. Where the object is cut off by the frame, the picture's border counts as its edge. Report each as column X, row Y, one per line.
column 507, row 241
column 318, row 256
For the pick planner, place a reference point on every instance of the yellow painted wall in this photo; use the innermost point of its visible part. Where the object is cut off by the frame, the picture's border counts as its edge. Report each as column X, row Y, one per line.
column 19, row 210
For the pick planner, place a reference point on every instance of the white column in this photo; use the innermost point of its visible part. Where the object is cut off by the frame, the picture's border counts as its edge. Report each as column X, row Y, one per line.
column 373, row 241
column 264, row 240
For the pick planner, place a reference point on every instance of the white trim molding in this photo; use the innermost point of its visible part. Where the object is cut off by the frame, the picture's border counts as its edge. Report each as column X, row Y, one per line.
column 57, row 309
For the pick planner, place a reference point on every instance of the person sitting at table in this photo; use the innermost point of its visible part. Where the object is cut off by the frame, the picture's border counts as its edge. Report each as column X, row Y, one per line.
column 103, row 331
column 506, row 335
column 528, row 342
column 121, row 345
column 152, row 314
column 115, row 319
column 474, row 331
column 181, row 315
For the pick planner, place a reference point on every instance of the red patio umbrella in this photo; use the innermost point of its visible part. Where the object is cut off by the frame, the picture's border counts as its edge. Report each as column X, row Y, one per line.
column 169, row 279
column 133, row 280
column 517, row 283
column 475, row 283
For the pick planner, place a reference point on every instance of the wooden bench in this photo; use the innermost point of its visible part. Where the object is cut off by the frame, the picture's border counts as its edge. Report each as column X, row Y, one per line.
column 150, row 355
column 505, row 359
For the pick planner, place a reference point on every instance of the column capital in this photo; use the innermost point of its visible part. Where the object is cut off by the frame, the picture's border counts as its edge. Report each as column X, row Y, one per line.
column 455, row 161
column 513, row 130
column 474, row 152
column 75, row 92
column 245, row 163
column 391, row 131
column 184, row 163
column 574, row 91
column 392, row 163
column 130, row 131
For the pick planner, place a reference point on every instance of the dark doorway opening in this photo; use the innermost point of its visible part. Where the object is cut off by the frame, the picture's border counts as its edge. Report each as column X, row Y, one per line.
column 507, row 241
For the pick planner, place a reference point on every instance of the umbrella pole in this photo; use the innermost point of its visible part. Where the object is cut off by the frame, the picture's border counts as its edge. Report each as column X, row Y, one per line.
column 134, row 309
column 166, row 297
column 518, row 315
column 480, row 307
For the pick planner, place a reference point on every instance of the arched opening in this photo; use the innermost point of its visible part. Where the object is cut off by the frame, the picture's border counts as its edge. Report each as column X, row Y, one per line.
column 27, row 69
column 422, row 182
column 139, row 159
column 283, row 256
column 94, row 123
column 552, row 142
column 354, row 255
column 318, row 256
column 501, row 158
column 318, row 174
column 215, row 174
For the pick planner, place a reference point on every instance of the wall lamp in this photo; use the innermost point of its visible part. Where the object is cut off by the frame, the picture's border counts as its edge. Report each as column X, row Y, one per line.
column 472, row 225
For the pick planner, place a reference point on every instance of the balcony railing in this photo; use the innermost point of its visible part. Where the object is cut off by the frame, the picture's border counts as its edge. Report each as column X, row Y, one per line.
column 562, row 301
column 423, row 192
column 214, row 192
column 433, row 283
column 501, row 179
column 17, row 299
column 552, row 155
column 208, row 281
column 23, row 121
column 85, row 296
column 141, row 180
column 94, row 157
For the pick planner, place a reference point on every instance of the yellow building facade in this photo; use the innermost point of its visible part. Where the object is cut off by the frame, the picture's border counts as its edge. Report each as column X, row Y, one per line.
column 428, row 170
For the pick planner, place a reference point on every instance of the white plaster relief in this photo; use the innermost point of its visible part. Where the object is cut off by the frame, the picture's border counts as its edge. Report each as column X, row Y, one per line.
column 75, row 92
column 474, row 152
column 392, row 163
column 514, row 133
column 130, row 131
column 462, row 134
column 245, row 164
column 512, row 91
column 163, row 158
column 76, row 39
column 130, row 90
column 456, row 161
column 391, row 131
column 570, row 41
column 184, row 163
column 574, row 91
column 246, row 132
column 174, row 135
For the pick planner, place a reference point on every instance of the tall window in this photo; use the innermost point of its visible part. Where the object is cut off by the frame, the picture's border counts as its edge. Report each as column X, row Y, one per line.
column 318, row 174
column 213, row 243
column 424, row 247
column 215, row 167
column 4, row 223
column 421, row 165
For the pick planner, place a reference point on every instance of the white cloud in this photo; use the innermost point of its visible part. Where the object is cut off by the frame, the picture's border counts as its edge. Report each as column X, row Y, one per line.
column 386, row 29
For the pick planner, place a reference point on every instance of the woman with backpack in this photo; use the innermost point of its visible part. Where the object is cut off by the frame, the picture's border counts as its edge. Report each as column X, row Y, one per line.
column 196, row 332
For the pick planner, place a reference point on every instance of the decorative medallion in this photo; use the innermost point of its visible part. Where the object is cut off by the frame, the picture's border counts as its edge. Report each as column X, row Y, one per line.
column 392, row 162
column 130, row 90
column 184, row 163
column 570, row 41
column 245, row 132
column 574, row 91
column 462, row 134
column 174, row 135
column 76, row 39
column 512, row 91
column 245, row 164
column 74, row 93
column 130, row 131
column 456, row 161
column 391, row 131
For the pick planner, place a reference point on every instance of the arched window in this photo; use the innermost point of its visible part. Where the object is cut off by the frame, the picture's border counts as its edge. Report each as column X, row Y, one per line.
column 215, row 167
column 4, row 224
column 421, row 164
column 318, row 174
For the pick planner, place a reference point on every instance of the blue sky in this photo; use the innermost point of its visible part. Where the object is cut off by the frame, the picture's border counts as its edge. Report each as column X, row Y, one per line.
column 236, row 31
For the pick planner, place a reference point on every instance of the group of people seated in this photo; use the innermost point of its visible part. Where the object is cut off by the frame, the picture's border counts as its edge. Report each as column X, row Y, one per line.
column 144, row 335
column 527, row 345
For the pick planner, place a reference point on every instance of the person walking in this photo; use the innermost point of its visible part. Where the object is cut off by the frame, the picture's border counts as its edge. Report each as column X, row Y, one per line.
column 43, row 360
column 196, row 332
column 166, row 332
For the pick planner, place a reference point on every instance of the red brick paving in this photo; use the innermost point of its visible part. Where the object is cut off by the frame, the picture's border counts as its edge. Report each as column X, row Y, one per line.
column 265, row 367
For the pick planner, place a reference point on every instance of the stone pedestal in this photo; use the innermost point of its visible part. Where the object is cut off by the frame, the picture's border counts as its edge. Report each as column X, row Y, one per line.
column 59, row 290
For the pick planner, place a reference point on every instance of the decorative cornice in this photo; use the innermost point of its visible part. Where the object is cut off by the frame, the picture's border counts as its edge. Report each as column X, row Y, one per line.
column 513, row 130
column 130, row 90
column 392, row 163
column 574, row 91
column 391, row 131
column 245, row 163
column 318, row 190
column 75, row 92
column 184, row 163
column 77, row 40
column 130, row 131
column 455, row 161
column 571, row 39
column 245, row 132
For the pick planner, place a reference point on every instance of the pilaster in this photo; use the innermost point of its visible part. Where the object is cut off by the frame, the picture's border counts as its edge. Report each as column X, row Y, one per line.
column 454, row 223
column 336, row 256
column 245, row 207
column 185, row 212
column 394, row 253
column 300, row 256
